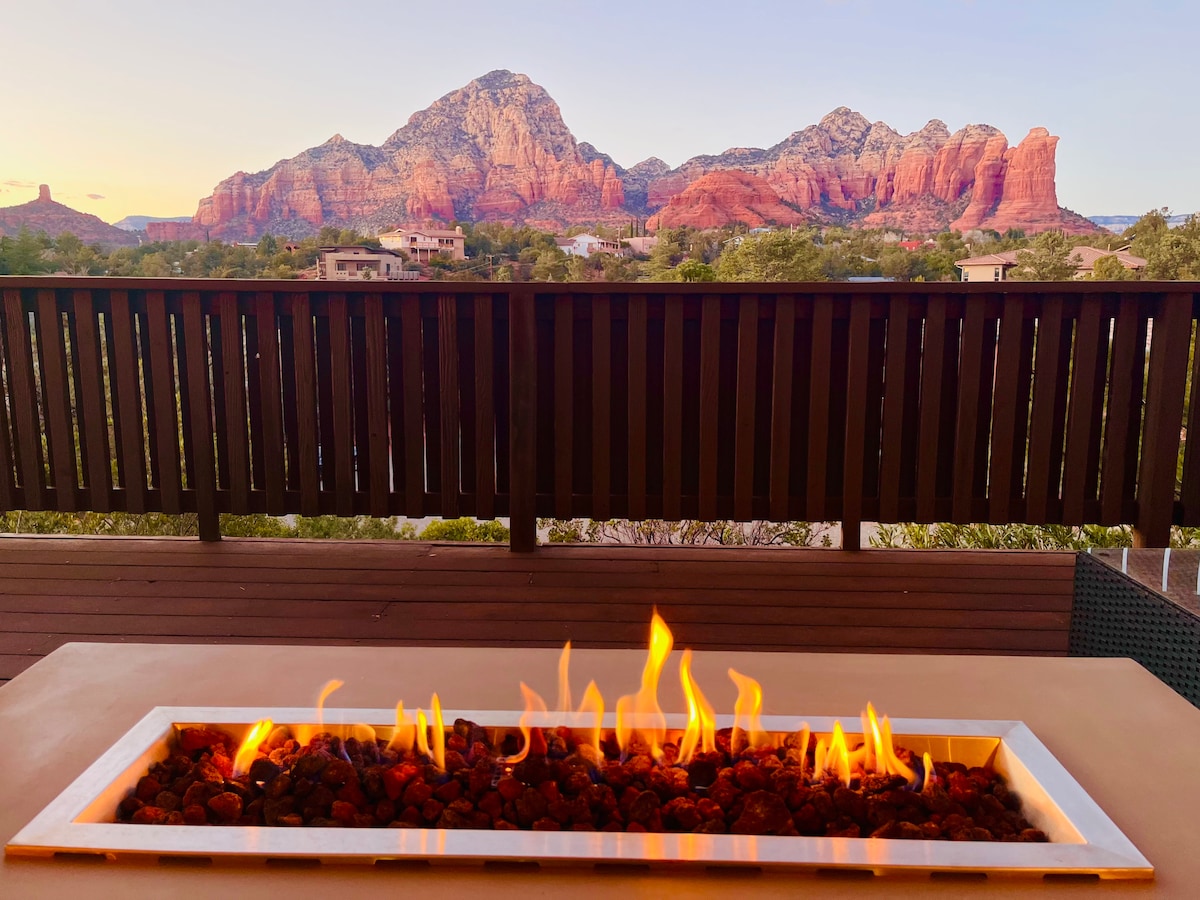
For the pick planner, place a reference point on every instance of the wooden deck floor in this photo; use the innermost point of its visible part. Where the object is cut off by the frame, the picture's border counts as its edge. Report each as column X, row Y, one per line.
column 166, row 590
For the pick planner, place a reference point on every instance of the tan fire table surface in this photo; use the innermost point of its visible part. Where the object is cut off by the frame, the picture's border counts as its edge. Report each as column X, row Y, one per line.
column 1131, row 742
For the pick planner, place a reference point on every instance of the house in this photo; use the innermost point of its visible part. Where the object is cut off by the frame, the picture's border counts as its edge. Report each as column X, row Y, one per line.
column 641, row 246
column 355, row 263
column 422, row 244
column 586, row 245
column 995, row 266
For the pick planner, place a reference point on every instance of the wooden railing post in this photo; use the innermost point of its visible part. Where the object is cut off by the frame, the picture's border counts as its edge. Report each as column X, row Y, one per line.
column 522, row 434
column 200, row 410
column 1165, row 387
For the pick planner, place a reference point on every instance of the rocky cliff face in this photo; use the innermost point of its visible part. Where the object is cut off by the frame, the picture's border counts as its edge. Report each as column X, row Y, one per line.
column 498, row 149
column 44, row 214
column 722, row 197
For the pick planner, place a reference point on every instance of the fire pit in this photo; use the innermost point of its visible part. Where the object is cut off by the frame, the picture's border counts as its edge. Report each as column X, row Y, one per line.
column 1081, row 838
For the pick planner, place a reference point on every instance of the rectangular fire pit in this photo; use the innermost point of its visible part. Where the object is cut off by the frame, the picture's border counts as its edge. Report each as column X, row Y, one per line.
column 1083, row 840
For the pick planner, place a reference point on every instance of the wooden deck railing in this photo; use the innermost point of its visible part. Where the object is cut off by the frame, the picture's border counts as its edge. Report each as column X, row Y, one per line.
column 894, row 402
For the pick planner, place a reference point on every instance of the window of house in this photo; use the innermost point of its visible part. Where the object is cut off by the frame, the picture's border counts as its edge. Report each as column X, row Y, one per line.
column 997, row 274
column 341, row 266
column 966, row 275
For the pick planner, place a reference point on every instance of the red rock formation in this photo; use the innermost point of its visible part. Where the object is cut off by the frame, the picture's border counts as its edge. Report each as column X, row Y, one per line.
column 44, row 214
column 497, row 149
column 722, row 197
column 175, row 231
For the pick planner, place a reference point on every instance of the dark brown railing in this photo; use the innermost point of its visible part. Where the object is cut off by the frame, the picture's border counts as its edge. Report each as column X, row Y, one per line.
column 895, row 402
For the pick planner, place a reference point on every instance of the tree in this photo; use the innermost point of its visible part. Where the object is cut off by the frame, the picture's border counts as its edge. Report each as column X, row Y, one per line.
column 1109, row 268
column 778, row 256
column 267, row 245
column 1050, row 258
column 694, row 270
column 24, row 254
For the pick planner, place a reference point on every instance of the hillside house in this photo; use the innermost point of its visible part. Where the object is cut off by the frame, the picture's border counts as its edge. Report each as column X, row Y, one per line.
column 995, row 266
column 356, row 263
column 586, row 245
column 422, row 244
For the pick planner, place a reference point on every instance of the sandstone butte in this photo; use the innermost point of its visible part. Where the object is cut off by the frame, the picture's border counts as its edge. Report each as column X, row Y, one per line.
column 498, row 150
column 45, row 214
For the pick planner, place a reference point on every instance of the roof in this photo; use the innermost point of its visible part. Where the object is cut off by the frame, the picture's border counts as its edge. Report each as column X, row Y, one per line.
column 348, row 248
column 1082, row 257
column 428, row 232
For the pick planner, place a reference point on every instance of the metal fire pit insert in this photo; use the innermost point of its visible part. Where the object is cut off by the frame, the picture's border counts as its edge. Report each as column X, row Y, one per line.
column 1083, row 839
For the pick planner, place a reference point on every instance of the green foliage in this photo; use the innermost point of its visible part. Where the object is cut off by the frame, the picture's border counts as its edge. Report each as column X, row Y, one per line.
column 1109, row 268
column 777, row 256
column 694, row 270
column 465, row 529
column 25, row 253
column 658, row 532
column 1001, row 537
column 1048, row 259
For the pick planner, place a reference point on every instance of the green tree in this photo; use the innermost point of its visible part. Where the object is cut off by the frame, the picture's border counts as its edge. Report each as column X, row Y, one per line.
column 1050, row 258
column 267, row 245
column 1109, row 268
column 694, row 270
column 777, row 256
column 24, row 254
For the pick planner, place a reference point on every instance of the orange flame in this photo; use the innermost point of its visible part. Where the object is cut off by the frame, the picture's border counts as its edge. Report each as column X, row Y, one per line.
column 839, row 755
column 564, row 679
column 422, row 734
column 533, row 704
column 893, row 766
column 439, row 735
column 405, row 733
column 329, row 688
column 701, row 721
column 593, row 703
column 929, row 776
column 650, row 724
column 248, row 751
column 747, row 726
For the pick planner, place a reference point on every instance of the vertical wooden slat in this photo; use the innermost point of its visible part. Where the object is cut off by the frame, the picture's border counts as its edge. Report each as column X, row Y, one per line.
column 1039, row 484
column 306, row 403
column 821, row 361
column 109, row 360
column 8, row 474
column 1190, row 492
column 747, row 365
column 57, row 399
column 1165, row 386
column 485, row 409
column 358, row 399
column 601, row 407
column 895, row 368
column 91, row 404
column 343, row 404
column 23, row 384
column 967, row 417
column 1006, row 404
column 270, row 400
column 710, row 388
column 637, row 406
column 129, row 401
column 204, row 477
column 166, row 420
column 377, row 417
column 236, row 437
column 1124, row 410
column 782, row 378
column 672, row 408
column 564, row 422
column 1080, row 435
column 523, row 461
column 414, row 417
column 858, row 362
column 448, row 401
column 932, row 367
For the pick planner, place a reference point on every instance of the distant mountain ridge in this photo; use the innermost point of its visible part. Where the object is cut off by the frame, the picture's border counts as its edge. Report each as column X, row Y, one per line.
column 497, row 149
column 1120, row 223
column 45, row 214
column 139, row 223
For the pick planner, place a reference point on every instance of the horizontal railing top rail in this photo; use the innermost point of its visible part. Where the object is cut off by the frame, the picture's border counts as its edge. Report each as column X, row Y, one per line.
column 1041, row 403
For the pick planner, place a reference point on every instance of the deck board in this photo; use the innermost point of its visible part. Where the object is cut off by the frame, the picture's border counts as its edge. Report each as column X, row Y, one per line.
column 395, row 593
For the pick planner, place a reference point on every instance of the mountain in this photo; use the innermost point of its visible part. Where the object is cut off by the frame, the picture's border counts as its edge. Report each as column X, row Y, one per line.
column 139, row 223
column 1120, row 223
column 44, row 214
column 497, row 149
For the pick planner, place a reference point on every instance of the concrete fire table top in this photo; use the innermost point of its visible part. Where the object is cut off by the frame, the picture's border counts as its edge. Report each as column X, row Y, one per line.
column 1129, row 740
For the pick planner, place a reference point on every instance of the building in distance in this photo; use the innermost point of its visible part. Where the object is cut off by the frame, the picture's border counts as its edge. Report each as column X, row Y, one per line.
column 422, row 244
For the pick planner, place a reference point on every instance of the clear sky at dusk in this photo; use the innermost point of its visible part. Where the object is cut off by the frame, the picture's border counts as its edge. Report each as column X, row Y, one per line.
column 142, row 106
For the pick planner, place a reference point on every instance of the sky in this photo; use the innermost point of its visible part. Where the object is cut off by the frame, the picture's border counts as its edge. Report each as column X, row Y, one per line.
column 142, row 106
